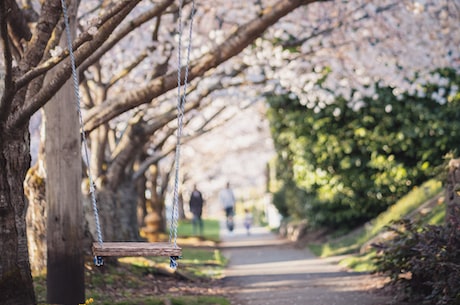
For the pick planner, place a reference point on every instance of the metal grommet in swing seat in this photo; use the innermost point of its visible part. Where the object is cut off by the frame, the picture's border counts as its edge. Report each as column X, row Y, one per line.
column 98, row 261
column 173, row 261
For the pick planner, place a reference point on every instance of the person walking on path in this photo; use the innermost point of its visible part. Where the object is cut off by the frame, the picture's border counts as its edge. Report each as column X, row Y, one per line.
column 227, row 199
column 247, row 220
column 196, row 207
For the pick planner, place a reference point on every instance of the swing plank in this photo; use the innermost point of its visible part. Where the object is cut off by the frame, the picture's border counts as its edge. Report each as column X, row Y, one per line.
column 136, row 249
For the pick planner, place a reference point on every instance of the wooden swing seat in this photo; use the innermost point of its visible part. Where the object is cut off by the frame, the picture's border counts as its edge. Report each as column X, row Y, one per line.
column 136, row 249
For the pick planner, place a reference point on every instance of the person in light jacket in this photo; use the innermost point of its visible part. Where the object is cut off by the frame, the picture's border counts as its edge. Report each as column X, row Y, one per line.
column 227, row 199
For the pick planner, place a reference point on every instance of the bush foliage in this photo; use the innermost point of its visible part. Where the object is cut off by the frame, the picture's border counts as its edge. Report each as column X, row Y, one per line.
column 424, row 260
column 340, row 164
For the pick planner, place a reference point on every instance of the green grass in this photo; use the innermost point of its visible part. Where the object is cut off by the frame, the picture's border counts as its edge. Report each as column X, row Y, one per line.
column 353, row 241
column 211, row 229
column 203, row 263
column 203, row 256
column 437, row 215
column 196, row 262
column 361, row 262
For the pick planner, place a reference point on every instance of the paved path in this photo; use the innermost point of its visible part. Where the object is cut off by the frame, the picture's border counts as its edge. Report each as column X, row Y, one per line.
column 266, row 270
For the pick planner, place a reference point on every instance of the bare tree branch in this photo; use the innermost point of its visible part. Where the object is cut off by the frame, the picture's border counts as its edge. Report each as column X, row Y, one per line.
column 136, row 135
column 339, row 23
column 7, row 97
column 28, row 10
column 49, row 17
column 143, row 167
column 64, row 72
column 125, row 30
column 79, row 41
column 198, row 131
column 18, row 28
column 125, row 72
column 155, row 157
column 51, row 62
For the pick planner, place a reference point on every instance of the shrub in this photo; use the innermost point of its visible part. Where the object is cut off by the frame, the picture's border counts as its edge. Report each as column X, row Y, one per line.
column 423, row 260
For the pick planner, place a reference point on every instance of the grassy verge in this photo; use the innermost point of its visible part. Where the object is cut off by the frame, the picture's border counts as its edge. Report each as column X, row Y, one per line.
column 211, row 229
column 352, row 242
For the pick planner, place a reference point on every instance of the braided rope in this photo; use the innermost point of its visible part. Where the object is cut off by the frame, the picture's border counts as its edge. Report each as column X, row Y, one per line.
column 181, row 100
column 98, row 260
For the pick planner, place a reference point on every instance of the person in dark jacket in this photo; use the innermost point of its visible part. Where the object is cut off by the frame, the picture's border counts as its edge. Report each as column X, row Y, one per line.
column 196, row 207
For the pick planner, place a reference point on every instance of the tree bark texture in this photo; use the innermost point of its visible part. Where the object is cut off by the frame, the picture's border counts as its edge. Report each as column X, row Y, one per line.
column 452, row 195
column 15, row 277
column 157, row 201
column 65, row 274
column 35, row 189
column 117, row 213
column 65, row 262
column 141, row 187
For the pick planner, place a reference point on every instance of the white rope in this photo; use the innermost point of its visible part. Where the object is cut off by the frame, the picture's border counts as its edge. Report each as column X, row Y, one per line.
column 98, row 261
column 181, row 100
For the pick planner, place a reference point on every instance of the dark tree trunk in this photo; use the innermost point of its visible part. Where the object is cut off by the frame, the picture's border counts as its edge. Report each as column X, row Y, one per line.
column 16, row 280
column 126, row 212
column 452, row 195
column 141, row 200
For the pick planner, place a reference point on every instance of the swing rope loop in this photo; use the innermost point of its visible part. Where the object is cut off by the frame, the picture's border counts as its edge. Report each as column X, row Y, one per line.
column 97, row 260
column 181, row 100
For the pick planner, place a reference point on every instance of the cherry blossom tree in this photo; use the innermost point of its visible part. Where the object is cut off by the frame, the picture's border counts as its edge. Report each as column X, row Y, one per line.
column 29, row 52
column 355, row 43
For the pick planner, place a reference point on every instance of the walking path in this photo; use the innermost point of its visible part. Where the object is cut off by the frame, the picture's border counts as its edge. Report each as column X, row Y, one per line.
column 265, row 269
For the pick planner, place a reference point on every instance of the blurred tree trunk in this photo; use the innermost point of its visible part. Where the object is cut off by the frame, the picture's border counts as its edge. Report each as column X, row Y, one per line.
column 180, row 207
column 117, row 212
column 35, row 189
column 141, row 188
column 155, row 206
column 452, row 195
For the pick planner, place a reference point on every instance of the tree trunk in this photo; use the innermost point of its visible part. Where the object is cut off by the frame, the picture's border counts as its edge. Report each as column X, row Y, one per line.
column 65, row 261
column 117, row 212
column 65, row 275
column 452, row 195
column 35, row 189
column 15, row 277
column 141, row 200
column 156, row 203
